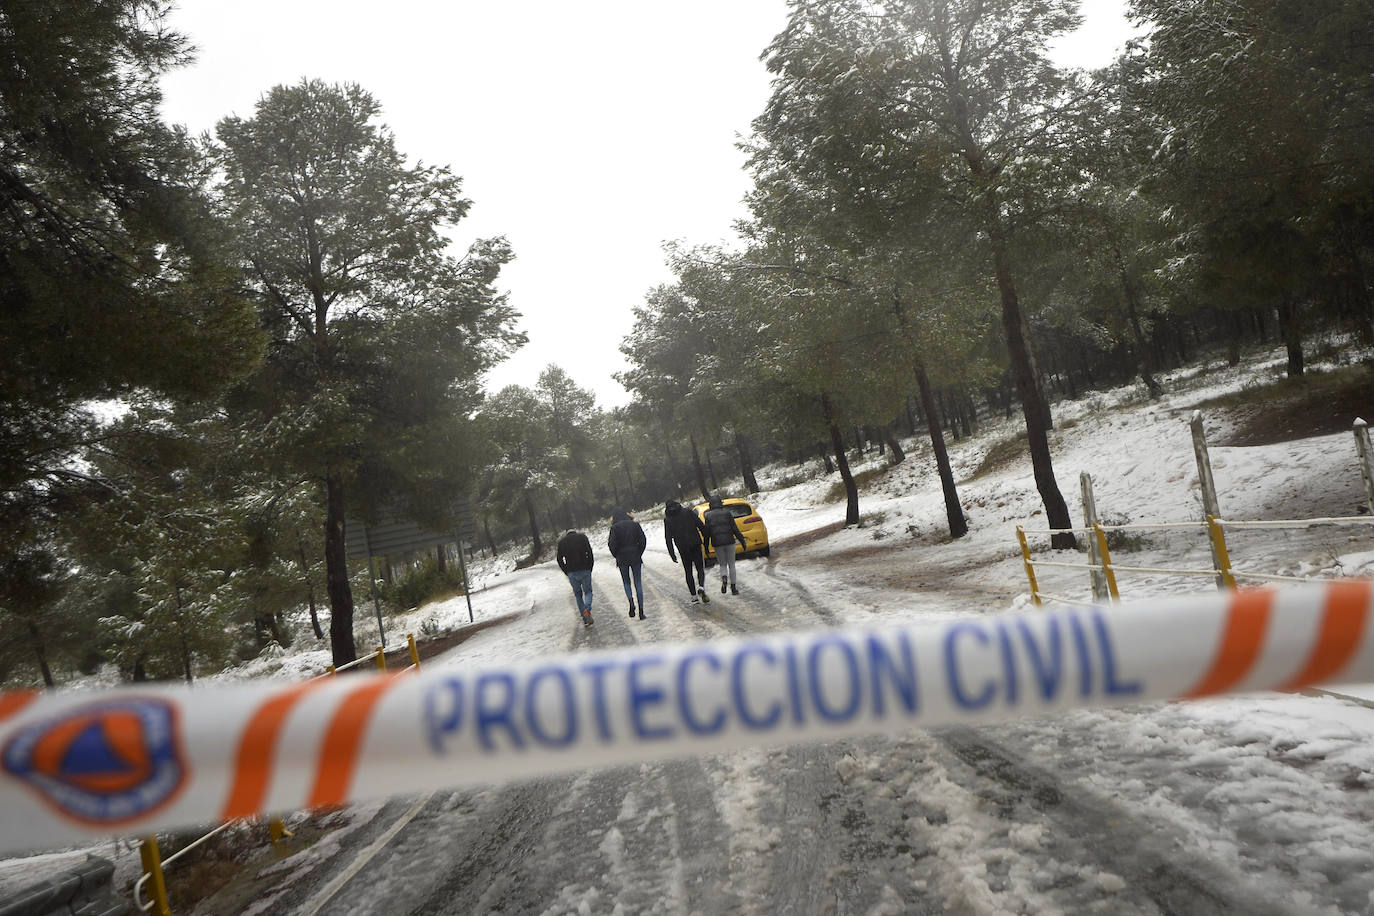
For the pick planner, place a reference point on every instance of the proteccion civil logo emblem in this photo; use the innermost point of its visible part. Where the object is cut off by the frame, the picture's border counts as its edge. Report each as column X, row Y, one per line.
column 103, row 764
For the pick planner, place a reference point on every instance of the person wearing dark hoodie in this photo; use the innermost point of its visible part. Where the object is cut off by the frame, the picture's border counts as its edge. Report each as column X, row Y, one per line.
column 682, row 528
column 576, row 560
column 723, row 530
column 627, row 544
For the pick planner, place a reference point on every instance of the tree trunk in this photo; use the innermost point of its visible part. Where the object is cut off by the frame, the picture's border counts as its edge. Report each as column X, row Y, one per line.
column 1144, row 364
column 946, row 415
column 309, row 587
column 1041, row 388
column 279, row 630
column 1033, row 409
column 711, row 472
column 140, row 673
column 629, row 481
column 898, row 456
column 851, row 489
column 181, row 632
column 1233, row 339
column 954, row 512
column 746, row 465
column 696, row 466
column 538, row 545
column 40, row 650
column 486, row 529
column 1290, row 323
column 1085, row 362
column 672, row 463
column 825, row 457
column 341, row 644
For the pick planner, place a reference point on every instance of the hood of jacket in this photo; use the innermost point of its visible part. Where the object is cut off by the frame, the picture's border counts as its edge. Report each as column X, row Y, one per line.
column 619, row 515
column 672, row 507
column 714, row 502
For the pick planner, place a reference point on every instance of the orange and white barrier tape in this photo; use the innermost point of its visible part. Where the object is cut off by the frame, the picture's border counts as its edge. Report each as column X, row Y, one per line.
column 138, row 760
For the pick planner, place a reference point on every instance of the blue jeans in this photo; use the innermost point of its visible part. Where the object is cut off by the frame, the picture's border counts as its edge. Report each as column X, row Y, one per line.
column 582, row 588
column 638, row 569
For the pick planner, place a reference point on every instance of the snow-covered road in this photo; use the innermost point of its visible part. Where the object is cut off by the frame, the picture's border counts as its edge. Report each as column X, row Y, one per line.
column 1193, row 809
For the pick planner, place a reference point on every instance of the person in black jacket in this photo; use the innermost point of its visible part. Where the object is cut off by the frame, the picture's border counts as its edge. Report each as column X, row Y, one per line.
column 724, row 531
column 682, row 528
column 627, row 544
column 576, row 560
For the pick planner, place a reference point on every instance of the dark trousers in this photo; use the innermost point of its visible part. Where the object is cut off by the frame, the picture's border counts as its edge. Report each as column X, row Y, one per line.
column 693, row 560
column 637, row 571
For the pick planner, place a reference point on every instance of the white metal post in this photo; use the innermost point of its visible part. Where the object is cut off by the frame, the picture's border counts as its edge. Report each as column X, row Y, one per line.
column 1099, row 579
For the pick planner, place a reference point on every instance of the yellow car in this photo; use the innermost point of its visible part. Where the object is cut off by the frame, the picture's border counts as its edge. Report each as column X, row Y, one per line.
column 750, row 525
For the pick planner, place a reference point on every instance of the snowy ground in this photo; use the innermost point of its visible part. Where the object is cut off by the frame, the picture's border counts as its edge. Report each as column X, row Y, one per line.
column 1242, row 805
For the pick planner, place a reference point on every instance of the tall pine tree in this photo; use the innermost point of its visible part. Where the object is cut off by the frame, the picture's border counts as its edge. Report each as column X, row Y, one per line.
column 378, row 336
column 113, row 277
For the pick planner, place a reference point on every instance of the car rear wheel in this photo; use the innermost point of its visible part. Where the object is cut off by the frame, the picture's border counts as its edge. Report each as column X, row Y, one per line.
column 763, row 551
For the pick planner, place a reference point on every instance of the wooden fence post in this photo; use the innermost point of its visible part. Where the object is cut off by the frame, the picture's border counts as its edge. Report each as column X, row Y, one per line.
column 1211, row 508
column 1090, row 520
column 1366, row 459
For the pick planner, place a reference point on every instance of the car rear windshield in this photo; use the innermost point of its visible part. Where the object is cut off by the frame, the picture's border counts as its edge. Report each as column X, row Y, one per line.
column 740, row 510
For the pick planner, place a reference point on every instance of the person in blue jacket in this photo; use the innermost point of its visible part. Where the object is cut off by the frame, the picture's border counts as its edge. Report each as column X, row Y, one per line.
column 626, row 543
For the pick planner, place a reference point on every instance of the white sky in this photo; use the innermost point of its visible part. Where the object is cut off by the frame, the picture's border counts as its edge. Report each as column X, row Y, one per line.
column 586, row 133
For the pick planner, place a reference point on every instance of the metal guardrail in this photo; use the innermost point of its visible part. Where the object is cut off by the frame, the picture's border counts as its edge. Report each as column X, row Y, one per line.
column 86, row 889
column 154, row 865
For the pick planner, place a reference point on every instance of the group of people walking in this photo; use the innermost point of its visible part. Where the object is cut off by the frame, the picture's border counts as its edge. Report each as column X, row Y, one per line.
column 684, row 532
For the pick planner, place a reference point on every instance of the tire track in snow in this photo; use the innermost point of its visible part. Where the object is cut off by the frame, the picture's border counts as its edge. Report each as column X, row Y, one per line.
column 1090, row 835
column 1147, row 859
column 812, row 828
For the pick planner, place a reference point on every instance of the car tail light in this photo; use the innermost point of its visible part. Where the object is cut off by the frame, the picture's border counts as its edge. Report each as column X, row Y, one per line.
column 752, row 518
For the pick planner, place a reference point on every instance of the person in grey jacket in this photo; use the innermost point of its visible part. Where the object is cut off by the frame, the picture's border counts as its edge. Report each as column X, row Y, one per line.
column 626, row 543
column 724, row 532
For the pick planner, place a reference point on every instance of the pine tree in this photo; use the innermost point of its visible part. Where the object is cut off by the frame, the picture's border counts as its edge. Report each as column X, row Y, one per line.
column 1266, row 113
column 942, row 113
column 113, row 278
column 379, row 337
column 540, row 449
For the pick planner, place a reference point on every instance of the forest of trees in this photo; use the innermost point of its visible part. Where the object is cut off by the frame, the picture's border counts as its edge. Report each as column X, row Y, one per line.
column 221, row 347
